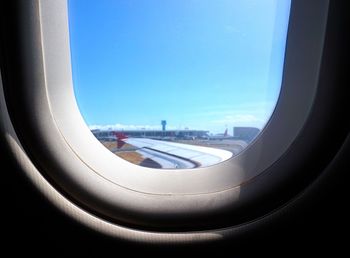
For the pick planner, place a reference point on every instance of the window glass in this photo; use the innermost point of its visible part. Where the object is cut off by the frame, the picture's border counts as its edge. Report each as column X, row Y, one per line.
column 177, row 83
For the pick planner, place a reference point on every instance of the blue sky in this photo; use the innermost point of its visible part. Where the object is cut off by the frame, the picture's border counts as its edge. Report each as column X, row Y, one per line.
column 199, row 64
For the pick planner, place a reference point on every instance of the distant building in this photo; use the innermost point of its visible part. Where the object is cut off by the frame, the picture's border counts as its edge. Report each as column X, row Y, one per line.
column 245, row 133
column 105, row 135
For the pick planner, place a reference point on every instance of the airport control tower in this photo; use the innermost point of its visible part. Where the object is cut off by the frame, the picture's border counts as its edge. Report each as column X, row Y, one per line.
column 163, row 125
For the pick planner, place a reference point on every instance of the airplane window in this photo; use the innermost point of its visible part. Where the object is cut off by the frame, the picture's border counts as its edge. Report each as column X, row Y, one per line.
column 170, row 84
column 179, row 83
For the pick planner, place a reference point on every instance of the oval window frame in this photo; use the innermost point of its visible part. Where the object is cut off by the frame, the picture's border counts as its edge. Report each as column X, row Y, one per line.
column 289, row 117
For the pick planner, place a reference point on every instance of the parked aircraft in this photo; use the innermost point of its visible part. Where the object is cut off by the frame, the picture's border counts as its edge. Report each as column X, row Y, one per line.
column 221, row 136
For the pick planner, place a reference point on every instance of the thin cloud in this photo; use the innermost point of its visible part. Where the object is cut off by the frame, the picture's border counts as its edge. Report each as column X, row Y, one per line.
column 127, row 127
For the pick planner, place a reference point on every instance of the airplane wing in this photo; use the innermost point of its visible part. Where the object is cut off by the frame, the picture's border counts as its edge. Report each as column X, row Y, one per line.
column 178, row 155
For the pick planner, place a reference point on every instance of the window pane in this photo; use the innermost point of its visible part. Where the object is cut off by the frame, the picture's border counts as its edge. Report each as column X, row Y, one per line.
column 177, row 83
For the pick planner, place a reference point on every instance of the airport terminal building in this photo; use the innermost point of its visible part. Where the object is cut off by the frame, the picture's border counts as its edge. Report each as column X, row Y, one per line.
column 245, row 133
column 152, row 134
column 240, row 133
